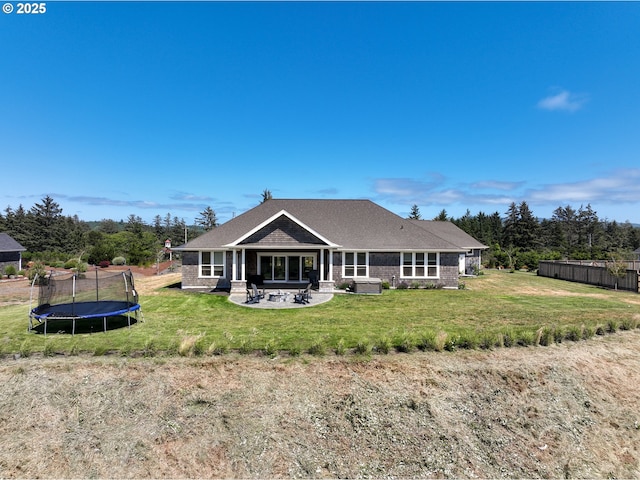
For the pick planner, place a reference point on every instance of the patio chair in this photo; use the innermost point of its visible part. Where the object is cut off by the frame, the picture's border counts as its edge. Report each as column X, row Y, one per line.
column 313, row 277
column 253, row 294
column 303, row 296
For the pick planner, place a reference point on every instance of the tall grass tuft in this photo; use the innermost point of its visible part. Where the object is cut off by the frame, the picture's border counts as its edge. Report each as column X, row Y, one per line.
column 612, row 326
column 405, row 344
column 218, row 348
column 544, row 336
column 317, row 348
column 190, row 345
column 427, row 342
column 363, row 347
column 383, row 346
column 341, row 348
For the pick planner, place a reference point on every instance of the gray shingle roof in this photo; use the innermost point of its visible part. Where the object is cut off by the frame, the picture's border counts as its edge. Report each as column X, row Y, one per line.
column 451, row 232
column 8, row 244
column 347, row 224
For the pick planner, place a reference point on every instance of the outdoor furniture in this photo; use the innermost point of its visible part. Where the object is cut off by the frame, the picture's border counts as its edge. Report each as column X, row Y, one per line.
column 313, row 277
column 279, row 296
column 367, row 285
column 253, row 294
column 303, row 296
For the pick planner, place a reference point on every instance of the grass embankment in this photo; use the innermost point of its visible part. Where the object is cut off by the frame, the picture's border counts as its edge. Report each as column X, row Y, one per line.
column 496, row 309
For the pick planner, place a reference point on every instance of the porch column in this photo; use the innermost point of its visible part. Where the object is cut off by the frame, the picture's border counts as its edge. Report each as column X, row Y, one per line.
column 322, row 265
column 234, row 265
column 243, row 265
column 330, row 265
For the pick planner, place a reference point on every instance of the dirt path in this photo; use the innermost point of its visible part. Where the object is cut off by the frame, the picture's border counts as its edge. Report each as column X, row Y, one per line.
column 566, row 411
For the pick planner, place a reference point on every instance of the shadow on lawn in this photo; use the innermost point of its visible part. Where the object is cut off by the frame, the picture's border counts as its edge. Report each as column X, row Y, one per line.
column 85, row 325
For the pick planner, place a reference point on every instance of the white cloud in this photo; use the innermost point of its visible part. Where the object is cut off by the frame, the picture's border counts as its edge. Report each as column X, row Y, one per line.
column 563, row 101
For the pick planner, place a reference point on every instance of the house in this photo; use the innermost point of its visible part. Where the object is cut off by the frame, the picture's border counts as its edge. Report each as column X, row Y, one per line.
column 10, row 252
column 331, row 242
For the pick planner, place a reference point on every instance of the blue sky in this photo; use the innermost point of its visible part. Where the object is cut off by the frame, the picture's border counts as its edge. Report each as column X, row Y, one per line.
column 149, row 108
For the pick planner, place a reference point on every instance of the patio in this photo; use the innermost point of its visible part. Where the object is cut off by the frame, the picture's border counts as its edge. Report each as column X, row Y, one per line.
column 280, row 298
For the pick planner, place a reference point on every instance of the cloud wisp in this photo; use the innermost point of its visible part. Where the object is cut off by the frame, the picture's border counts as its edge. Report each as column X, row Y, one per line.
column 613, row 188
column 564, row 101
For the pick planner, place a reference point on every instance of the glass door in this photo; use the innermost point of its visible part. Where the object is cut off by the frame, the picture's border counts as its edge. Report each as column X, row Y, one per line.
column 286, row 268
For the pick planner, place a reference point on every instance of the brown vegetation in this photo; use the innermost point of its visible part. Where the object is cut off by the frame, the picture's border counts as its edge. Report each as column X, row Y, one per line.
column 570, row 410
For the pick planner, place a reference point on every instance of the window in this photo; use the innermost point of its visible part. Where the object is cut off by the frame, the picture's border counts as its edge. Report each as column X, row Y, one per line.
column 420, row 264
column 212, row 264
column 355, row 264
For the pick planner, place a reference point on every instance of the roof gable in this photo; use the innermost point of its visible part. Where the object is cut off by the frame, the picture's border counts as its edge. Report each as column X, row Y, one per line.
column 282, row 229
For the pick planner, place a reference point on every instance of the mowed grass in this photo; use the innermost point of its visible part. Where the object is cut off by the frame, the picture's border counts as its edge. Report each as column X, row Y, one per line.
column 494, row 310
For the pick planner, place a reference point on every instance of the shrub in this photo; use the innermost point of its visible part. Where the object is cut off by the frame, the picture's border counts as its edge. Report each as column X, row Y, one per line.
column 104, row 264
column 402, row 286
column 385, row 285
column 415, row 285
column 119, row 261
column 10, row 270
column 71, row 263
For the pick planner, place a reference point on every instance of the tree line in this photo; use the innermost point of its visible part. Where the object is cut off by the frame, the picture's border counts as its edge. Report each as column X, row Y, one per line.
column 519, row 239
column 50, row 236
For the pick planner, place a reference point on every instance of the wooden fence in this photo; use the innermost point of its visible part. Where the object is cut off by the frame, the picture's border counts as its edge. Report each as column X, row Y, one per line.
column 593, row 273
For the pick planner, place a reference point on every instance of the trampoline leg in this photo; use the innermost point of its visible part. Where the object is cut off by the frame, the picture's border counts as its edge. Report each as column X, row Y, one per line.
column 105, row 324
column 45, row 326
column 73, row 327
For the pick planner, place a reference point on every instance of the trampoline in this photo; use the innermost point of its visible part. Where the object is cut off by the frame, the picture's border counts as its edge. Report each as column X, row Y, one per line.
column 83, row 297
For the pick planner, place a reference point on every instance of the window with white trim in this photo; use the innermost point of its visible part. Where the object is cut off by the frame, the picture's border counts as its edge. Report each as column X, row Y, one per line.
column 420, row 265
column 212, row 264
column 355, row 264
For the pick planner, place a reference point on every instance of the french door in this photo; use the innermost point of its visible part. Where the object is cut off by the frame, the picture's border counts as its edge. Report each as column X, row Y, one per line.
column 282, row 267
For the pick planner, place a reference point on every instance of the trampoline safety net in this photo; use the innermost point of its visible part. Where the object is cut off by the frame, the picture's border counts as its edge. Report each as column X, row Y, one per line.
column 86, row 288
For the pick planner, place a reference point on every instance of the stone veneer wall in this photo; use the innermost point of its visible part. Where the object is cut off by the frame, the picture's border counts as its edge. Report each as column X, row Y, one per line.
column 384, row 265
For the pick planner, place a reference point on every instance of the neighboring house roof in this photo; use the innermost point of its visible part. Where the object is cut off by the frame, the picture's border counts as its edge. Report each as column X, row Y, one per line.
column 344, row 224
column 8, row 244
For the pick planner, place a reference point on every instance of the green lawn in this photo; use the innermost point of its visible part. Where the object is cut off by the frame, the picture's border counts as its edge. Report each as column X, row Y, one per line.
column 496, row 309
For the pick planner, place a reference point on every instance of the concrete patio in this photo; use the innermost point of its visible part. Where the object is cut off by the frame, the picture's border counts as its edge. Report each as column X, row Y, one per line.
column 284, row 301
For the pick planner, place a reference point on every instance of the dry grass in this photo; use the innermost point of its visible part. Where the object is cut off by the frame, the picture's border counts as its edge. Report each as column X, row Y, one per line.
column 570, row 410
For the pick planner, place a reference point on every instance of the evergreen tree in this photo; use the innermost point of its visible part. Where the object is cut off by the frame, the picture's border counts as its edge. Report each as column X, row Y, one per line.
column 266, row 195
column 207, row 219
column 442, row 216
